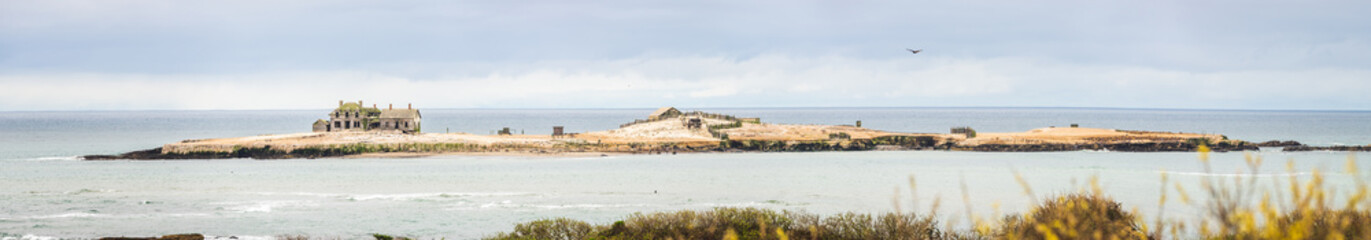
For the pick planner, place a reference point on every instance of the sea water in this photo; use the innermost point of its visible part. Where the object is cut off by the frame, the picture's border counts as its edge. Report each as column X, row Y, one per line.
column 45, row 191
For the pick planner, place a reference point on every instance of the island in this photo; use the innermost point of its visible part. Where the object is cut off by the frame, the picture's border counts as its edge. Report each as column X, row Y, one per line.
column 354, row 130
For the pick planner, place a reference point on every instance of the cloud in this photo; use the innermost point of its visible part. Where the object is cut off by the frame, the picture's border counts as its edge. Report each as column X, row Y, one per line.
column 762, row 81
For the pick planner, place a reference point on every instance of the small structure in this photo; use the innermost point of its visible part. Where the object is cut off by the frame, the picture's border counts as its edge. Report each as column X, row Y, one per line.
column 859, row 123
column 356, row 117
column 970, row 133
column 505, row 131
column 664, row 113
column 556, row 131
column 321, row 125
column 694, row 123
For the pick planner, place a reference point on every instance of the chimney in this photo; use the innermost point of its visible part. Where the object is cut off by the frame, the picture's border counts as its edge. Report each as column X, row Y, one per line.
column 340, row 103
column 359, row 103
column 390, row 107
column 411, row 105
column 373, row 105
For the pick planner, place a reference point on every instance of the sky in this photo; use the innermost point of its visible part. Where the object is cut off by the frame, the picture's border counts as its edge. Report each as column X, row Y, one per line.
column 228, row 55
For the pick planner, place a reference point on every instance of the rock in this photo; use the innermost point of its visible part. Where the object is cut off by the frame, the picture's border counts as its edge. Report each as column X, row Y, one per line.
column 1277, row 143
column 188, row 236
column 1303, row 148
column 1120, row 147
column 192, row 236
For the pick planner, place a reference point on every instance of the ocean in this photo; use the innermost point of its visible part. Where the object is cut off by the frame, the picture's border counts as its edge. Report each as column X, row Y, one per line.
column 46, row 192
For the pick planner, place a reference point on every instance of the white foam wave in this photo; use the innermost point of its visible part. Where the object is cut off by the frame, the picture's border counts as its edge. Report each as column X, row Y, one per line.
column 502, row 204
column 87, row 190
column 768, row 203
column 414, row 196
column 30, row 237
column 399, row 196
column 588, row 206
column 70, row 215
column 58, row 158
column 308, row 194
column 266, row 206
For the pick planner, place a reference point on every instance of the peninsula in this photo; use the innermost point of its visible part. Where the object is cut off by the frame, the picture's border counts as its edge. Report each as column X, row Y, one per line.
column 355, row 130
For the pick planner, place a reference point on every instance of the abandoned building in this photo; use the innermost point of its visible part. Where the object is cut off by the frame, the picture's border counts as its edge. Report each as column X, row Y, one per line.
column 664, row 113
column 357, row 117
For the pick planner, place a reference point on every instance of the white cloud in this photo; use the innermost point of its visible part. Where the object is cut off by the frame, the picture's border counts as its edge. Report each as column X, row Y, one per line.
column 767, row 80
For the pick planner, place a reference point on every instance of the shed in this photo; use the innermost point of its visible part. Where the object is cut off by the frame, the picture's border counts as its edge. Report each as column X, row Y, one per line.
column 664, row 113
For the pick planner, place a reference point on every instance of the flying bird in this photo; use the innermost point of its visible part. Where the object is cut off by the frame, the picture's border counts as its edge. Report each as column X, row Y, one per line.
column 912, row 51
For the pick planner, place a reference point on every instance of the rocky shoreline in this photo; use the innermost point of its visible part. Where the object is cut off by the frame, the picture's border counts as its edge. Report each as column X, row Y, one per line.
column 897, row 143
column 1303, row 148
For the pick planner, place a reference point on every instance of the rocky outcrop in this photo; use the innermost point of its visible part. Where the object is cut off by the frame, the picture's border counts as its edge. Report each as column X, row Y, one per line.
column 1302, row 148
column 192, row 236
column 1277, row 143
column 1120, row 147
column 884, row 142
column 253, row 153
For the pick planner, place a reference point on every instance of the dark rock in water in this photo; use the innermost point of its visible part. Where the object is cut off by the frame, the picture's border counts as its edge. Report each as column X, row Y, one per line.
column 100, row 157
column 191, row 236
column 156, row 154
column 254, row 153
column 1120, row 147
column 1277, row 143
column 1303, row 148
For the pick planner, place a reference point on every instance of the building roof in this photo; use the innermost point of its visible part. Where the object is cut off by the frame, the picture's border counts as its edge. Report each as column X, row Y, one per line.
column 400, row 113
column 352, row 106
column 663, row 111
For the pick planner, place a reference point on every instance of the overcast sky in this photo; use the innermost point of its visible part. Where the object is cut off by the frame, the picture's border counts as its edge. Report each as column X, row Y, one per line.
column 121, row 55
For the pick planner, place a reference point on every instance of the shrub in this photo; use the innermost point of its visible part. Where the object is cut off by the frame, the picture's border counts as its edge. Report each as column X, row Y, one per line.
column 558, row 228
column 1073, row 216
column 743, row 223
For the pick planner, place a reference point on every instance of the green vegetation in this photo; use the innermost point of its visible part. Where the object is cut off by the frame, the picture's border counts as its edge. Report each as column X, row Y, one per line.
column 714, row 129
column 906, row 141
column 839, row 136
column 379, row 236
column 737, row 223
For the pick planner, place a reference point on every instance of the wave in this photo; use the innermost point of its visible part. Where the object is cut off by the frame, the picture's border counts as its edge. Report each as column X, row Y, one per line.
column 265, row 206
column 400, row 196
column 6, row 236
column 70, row 215
column 587, row 206
column 508, row 204
column 417, row 196
column 101, row 215
column 87, row 190
column 57, row 158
